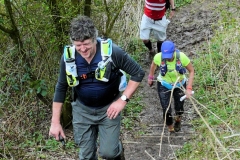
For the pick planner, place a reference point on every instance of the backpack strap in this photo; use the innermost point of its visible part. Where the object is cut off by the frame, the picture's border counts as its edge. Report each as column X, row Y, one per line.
column 103, row 71
column 70, row 65
column 178, row 61
column 106, row 48
column 177, row 54
column 179, row 68
column 69, row 52
column 163, row 66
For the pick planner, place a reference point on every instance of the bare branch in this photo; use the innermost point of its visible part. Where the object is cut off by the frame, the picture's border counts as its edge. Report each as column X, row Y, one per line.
column 10, row 13
column 6, row 30
column 118, row 10
column 3, row 14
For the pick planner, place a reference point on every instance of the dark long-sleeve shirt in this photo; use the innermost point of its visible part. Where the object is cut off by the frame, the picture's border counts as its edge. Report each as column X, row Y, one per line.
column 93, row 91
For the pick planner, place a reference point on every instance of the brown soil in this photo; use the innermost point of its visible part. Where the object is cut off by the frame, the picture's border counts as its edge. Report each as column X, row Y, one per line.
column 190, row 26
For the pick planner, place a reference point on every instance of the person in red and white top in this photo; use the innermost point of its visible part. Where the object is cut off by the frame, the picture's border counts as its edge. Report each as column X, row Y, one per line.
column 154, row 20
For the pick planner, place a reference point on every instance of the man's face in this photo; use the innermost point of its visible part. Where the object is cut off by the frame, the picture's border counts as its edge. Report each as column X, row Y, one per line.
column 86, row 48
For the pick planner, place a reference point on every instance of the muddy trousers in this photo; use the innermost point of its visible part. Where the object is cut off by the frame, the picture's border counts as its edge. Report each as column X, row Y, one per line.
column 93, row 131
column 164, row 96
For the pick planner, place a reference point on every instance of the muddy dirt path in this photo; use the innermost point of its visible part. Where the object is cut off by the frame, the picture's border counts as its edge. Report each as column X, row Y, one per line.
column 190, row 26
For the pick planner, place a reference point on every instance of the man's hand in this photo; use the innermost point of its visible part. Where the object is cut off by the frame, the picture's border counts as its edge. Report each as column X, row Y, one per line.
column 56, row 131
column 115, row 108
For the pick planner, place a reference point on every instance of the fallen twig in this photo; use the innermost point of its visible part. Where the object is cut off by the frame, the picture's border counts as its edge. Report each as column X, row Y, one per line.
column 233, row 135
column 149, row 155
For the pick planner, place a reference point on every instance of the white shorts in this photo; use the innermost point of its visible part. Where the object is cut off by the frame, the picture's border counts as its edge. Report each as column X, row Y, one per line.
column 158, row 28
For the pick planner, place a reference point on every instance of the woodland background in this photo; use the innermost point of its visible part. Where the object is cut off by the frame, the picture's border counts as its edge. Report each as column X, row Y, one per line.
column 33, row 34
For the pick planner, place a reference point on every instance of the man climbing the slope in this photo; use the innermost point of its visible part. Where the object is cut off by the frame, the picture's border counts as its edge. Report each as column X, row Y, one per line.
column 154, row 20
column 99, row 102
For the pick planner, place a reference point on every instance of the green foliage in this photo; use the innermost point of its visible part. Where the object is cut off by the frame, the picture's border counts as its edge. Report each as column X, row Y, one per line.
column 51, row 145
column 39, row 143
column 32, row 68
column 40, row 86
column 1, row 21
column 187, row 148
column 26, row 118
column 179, row 3
column 109, row 19
column 135, row 48
column 131, row 112
column 217, row 71
column 128, row 123
column 70, row 145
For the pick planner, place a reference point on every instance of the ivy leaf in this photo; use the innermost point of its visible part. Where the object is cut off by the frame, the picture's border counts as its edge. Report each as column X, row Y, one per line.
column 39, row 90
column 44, row 93
column 1, row 21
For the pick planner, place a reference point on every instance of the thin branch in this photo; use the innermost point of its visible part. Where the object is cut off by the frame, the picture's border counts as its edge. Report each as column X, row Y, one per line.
column 233, row 135
column 226, row 65
column 116, row 15
column 6, row 30
column 10, row 13
column 214, row 115
column 149, row 155
column 3, row 14
column 209, row 128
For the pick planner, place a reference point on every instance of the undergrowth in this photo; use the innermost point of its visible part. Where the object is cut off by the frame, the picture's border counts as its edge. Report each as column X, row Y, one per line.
column 217, row 93
column 24, row 120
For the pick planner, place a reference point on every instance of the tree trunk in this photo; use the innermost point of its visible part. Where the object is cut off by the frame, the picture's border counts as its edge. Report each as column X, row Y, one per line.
column 56, row 16
column 13, row 32
column 66, row 115
column 87, row 8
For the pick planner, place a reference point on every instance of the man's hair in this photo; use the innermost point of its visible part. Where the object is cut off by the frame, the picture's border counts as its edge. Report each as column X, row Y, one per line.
column 82, row 28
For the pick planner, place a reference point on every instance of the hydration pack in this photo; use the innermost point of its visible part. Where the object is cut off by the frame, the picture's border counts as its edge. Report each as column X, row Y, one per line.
column 102, row 72
column 179, row 68
column 71, row 68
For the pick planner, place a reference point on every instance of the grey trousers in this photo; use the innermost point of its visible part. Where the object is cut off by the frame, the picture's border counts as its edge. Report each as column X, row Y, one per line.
column 89, row 124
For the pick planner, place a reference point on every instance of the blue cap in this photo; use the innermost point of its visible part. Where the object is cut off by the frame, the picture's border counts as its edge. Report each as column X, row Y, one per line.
column 167, row 49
